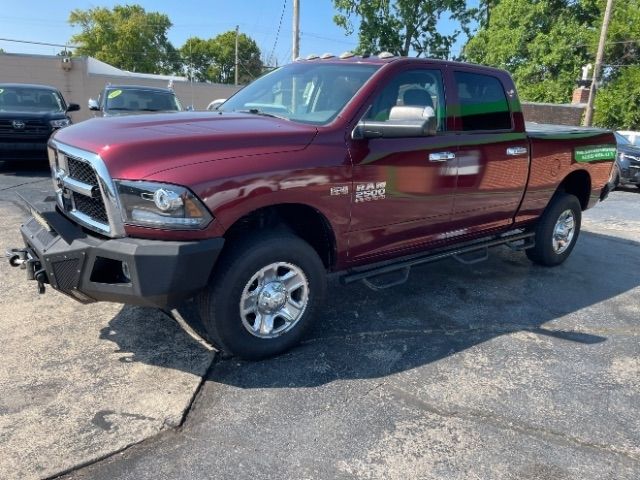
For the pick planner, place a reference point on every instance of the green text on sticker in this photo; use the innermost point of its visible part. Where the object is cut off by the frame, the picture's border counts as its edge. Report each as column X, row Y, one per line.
column 594, row 153
column 114, row 93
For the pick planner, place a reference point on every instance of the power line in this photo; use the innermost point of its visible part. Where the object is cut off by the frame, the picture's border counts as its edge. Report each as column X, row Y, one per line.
column 32, row 42
column 275, row 43
column 329, row 39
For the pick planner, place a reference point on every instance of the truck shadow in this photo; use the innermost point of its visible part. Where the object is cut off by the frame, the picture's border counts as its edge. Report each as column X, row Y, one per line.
column 149, row 336
column 443, row 309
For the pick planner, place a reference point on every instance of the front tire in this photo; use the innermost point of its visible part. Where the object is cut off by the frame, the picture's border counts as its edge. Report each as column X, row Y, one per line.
column 262, row 296
column 557, row 231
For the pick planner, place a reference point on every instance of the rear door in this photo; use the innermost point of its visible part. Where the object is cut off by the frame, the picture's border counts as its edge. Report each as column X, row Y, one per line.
column 403, row 187
column 493, row 157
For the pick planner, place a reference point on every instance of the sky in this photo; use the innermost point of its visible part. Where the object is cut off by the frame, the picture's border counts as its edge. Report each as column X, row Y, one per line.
column 46, row 21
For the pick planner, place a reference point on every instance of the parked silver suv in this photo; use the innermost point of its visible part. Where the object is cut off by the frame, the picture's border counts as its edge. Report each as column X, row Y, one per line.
column 134, row 99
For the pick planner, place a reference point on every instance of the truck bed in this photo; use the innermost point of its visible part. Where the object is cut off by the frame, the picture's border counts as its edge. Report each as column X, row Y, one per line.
column 558, row 150
column 549, row 131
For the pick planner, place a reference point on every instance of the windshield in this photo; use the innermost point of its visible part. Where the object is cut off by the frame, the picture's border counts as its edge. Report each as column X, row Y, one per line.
column 141, row 101
column 622, row 139
column 303, row 92
column 29, row 99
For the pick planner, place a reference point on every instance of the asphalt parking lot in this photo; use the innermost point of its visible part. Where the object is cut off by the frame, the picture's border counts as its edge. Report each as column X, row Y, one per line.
column 500, row 370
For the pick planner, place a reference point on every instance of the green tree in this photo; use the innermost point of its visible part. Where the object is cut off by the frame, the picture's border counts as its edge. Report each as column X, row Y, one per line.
column 126, row 37
column 617, row 104
column 404, row 26
column 214, row 59
column 198, row 56
column 544, row 44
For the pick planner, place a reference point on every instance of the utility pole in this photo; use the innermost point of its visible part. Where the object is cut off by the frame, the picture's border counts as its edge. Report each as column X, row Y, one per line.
column 296, row 29
column 588, row 117
column 236, row 67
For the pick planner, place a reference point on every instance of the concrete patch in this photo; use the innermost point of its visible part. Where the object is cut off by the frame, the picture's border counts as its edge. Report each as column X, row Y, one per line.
column 78, row 382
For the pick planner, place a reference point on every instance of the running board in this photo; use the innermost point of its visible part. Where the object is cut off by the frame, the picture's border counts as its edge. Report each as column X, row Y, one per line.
column 517, row 242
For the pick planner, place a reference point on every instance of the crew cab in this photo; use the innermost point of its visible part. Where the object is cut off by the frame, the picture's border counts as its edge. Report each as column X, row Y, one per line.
column 359, row 167
column 134, row 99
column 28, row 115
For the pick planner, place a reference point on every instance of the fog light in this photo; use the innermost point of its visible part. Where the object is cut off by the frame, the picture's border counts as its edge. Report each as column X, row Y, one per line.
column 125, row 271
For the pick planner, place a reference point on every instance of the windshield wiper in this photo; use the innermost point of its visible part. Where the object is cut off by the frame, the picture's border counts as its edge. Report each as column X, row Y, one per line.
column 256, row 111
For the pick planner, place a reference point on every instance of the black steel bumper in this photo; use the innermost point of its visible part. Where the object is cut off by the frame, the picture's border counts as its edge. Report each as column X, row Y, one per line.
column 125, row 270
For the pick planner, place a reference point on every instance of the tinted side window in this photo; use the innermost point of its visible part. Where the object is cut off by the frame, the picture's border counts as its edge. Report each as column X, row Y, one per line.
column 421, row 88
column 483, row 103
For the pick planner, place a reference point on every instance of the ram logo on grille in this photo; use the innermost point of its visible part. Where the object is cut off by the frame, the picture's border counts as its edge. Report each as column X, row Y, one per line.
column 79, row 178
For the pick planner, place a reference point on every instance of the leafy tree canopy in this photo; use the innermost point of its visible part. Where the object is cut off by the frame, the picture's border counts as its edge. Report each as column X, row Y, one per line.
column 617, row 104
column 214, row 59
column 126, row 37
column 545, row 43
column 404, row 26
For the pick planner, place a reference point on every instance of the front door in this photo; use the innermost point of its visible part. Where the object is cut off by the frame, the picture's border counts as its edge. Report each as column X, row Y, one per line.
column 403, row 188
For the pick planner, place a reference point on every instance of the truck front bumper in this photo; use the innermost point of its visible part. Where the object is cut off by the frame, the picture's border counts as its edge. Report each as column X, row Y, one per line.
column 90, row 268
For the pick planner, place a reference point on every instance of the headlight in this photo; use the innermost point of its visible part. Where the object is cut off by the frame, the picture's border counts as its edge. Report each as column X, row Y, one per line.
column 160, row 205
column 62, row 122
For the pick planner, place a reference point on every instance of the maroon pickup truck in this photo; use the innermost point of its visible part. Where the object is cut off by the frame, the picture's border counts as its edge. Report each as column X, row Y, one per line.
column 363, row 167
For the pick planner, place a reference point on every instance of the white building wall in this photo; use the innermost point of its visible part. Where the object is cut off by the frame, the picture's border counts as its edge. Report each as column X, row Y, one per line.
column 78, row 82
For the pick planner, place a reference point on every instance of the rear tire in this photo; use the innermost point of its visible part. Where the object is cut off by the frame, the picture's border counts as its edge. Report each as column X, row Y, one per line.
column 262, row 296
column 557, row 231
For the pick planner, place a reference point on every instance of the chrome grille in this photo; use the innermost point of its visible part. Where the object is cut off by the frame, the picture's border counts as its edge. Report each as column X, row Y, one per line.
column 84, row 189
column 82, row 171
column 92, row 207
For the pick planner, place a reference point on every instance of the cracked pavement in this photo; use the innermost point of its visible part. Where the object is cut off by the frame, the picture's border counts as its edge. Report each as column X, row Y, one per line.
column 500, row 370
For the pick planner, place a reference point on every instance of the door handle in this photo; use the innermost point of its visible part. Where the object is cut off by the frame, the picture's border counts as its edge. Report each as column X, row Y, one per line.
column 441, row 156
column 513, row 151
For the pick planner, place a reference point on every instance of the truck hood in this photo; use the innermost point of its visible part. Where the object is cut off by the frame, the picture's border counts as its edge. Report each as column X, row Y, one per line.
column 136, row 147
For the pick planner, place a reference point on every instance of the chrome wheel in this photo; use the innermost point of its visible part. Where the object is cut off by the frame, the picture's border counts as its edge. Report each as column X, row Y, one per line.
column 274, row 300
column 563, row 232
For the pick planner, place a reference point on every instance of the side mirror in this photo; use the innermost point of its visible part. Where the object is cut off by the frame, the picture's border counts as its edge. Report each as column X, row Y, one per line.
column 404, row 121
column 216, row 103
column 93, row 105
column 73, row 107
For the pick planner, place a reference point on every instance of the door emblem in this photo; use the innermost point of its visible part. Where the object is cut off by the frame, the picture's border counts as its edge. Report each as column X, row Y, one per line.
column 18, row 124
column 366, row 192
column 341, row 190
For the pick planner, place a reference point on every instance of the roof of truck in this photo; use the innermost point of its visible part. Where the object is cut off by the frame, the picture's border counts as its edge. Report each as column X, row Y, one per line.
column 385, row 58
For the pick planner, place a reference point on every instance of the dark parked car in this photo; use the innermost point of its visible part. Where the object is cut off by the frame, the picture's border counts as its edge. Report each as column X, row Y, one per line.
column 132, row 99
column 28, row 116
column 627, row 169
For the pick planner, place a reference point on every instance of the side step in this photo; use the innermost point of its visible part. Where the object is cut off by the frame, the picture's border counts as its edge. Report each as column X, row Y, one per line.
column 402, row 267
